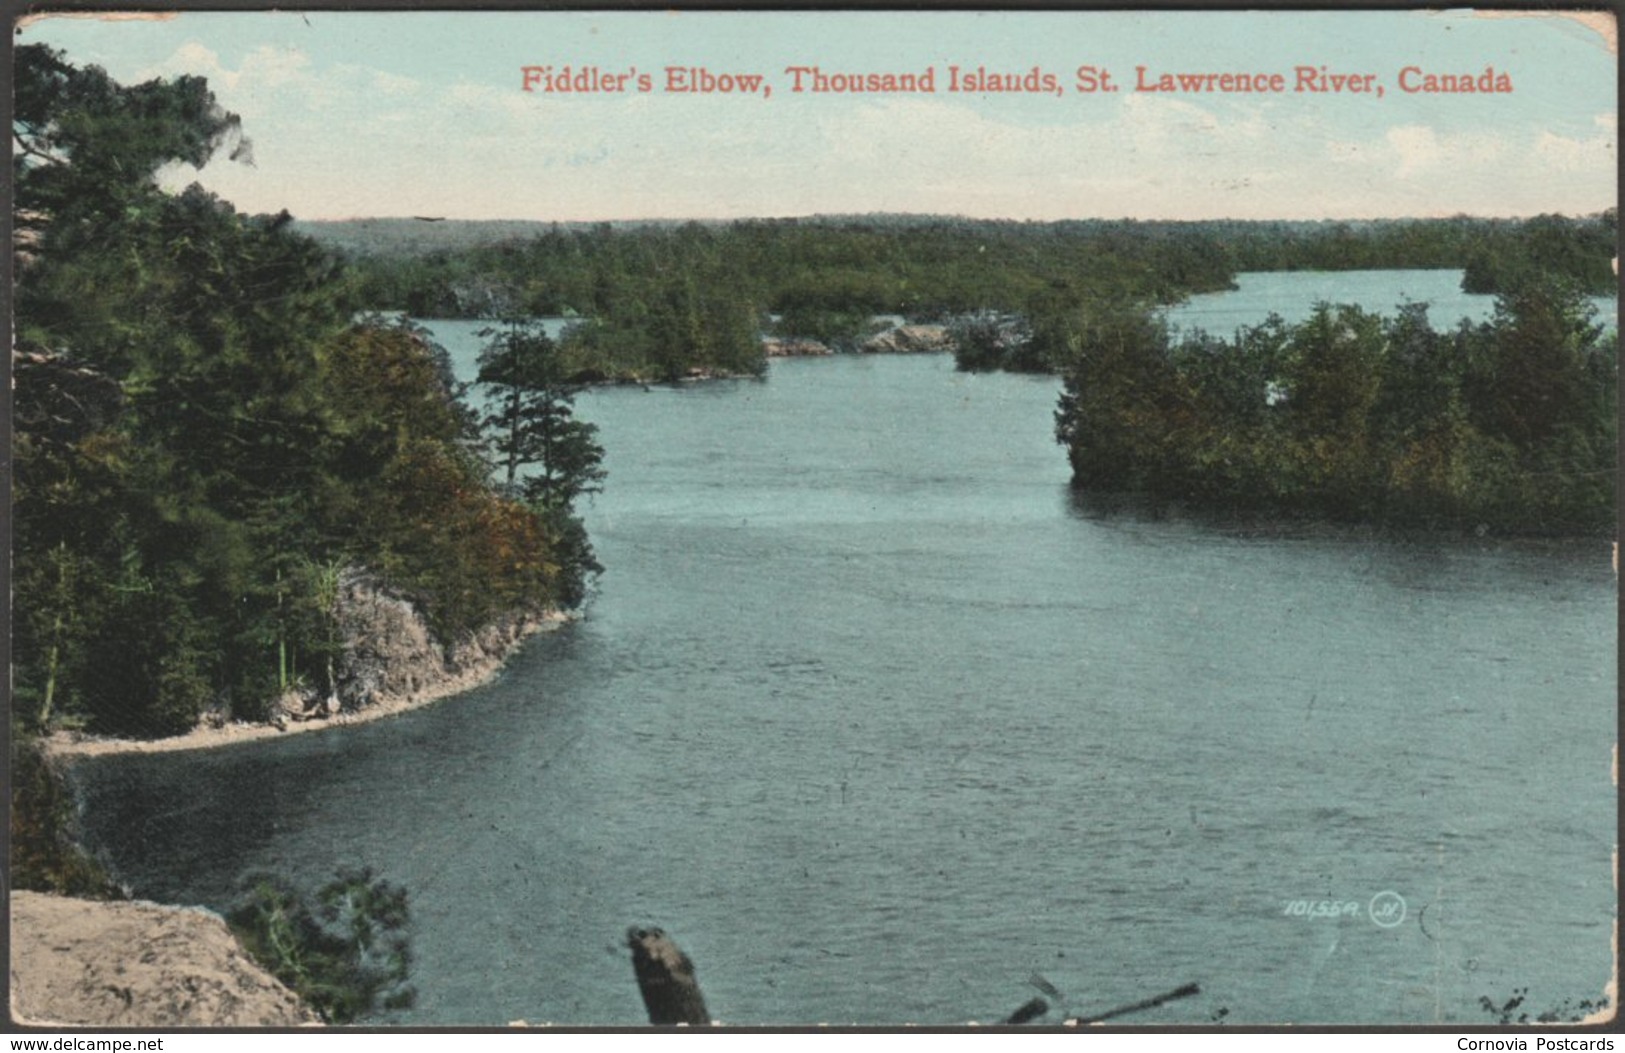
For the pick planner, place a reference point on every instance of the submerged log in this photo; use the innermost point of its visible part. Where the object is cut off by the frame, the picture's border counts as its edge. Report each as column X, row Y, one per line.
column 1029, row 1010
column 666, row 978
column 1149, row 1003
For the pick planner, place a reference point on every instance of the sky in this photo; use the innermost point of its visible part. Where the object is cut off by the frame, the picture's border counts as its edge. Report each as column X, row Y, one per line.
column 356, row 114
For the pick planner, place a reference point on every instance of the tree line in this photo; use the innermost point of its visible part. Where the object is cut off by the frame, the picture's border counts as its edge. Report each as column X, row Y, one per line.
column 1507, row 425
column 1495, row 254
column 815, row 273
column 666, row 301
column 207, row 431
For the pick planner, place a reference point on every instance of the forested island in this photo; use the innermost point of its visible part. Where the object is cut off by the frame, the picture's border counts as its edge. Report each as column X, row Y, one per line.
column 210, row 437
column 1507, row 426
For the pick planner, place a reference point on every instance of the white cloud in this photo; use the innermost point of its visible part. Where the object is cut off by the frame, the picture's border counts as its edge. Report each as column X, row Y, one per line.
column 268, row 68
column 1575, row 155
column 392, row 84
column 265, row 71
column 1420, row 150
column 1417, row 148
column 192, row 58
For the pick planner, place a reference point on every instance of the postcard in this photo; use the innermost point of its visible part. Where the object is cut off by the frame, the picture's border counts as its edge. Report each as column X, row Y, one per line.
column 1031, row 519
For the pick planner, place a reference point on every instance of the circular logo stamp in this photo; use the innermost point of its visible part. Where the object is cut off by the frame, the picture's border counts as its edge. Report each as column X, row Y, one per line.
column 1387, row 909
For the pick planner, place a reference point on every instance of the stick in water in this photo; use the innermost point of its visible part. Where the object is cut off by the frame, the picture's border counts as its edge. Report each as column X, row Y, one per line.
column 1030, row 1010
column 1149, row 1003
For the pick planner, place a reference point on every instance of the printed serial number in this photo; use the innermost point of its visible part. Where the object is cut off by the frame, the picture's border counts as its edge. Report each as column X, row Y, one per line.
column 1325, row 908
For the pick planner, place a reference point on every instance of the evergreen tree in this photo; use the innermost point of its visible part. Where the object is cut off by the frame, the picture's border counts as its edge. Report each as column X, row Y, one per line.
column 531, row 422
column 1122, row 405
column 204, row 437
column 546, row 456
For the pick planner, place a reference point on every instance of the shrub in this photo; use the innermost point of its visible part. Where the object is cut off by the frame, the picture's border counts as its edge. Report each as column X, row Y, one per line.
column 345, row 951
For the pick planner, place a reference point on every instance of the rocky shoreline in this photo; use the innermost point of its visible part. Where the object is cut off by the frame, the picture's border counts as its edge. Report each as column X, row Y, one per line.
column 906, row 339
column 71, row 959
column 391, row 663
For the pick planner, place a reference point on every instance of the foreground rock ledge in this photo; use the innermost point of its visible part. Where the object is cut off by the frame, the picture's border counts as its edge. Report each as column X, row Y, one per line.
column 137, row 965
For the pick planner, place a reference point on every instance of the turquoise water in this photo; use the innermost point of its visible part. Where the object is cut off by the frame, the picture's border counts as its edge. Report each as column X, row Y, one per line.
column 878, row 719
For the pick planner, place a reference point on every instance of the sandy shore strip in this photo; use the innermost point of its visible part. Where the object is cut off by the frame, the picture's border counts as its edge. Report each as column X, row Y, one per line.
column 74, row 744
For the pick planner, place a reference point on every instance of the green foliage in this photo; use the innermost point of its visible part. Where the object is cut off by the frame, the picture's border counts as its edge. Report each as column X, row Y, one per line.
column 986, row 341
column 841, row 330
column 412, row 490
column 1581, row 251
column 45, row 855
column 548, row 458
column 668, row 302
column 1124, row 410
column 672, row 329
column 1495, row 254
column 204, row 434
column 531, row 421
column 655, row 305
column 79, row 134
column 345, row 951
column 663, row 302
column 1509, row 425
column 567, row 539
column 825, row 277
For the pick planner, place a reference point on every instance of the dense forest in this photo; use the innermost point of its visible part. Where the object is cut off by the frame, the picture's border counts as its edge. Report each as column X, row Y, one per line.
column 927, row 266
column 1496, row 254
column 436, row 261
column 1509, row 425
column 664, row 301
column 207, row 434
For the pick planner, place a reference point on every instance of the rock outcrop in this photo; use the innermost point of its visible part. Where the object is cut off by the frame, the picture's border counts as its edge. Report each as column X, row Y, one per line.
column 85, row 963
column 794, row 347
column 390, row 653
column 391, row 662
column 908, row 339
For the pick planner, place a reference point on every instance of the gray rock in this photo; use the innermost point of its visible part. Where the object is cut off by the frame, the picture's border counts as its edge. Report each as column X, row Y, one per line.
column 909, row 339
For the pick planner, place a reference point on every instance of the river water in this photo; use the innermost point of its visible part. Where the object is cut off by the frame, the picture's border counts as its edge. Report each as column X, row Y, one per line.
column 878, row 720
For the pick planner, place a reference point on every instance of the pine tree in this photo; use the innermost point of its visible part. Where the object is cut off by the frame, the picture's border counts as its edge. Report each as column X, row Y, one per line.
column 531, row 421
column 531, row 425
